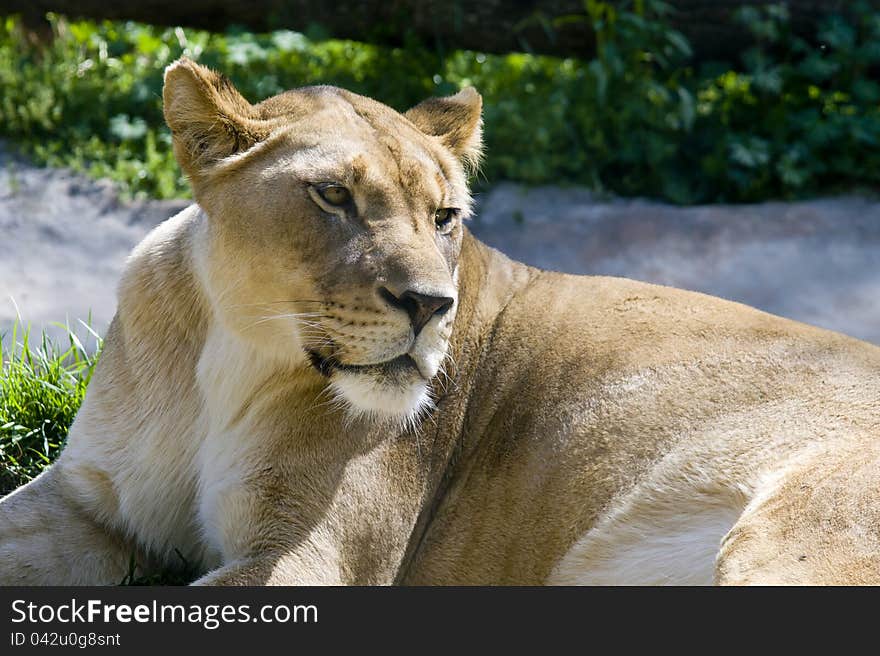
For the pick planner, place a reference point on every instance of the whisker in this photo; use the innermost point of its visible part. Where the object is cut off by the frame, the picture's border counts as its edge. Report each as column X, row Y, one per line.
column 287, row 315
column 291, row 301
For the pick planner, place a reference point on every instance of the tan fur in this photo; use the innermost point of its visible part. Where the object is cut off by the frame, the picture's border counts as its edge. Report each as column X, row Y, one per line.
column 573, row 430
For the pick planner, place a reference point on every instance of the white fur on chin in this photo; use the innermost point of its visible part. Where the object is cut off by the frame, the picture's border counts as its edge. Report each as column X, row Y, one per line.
column 366, row 396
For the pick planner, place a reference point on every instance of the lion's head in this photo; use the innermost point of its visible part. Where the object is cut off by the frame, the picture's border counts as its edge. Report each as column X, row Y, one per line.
column 334, row 227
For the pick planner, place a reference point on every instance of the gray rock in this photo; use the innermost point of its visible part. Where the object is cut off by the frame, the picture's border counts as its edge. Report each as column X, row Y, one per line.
column 63, row 241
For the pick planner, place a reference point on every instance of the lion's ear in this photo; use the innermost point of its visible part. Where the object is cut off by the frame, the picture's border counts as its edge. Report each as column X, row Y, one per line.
column 208, row 117
column 457, row 120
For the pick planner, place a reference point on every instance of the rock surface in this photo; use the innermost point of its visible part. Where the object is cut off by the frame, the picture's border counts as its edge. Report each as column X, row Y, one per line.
column 65, row 239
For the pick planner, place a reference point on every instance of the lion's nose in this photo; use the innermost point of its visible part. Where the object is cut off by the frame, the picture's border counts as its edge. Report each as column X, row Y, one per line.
column 420, row 307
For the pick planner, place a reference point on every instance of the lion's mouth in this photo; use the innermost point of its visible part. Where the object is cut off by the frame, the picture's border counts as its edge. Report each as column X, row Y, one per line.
column 326, row 365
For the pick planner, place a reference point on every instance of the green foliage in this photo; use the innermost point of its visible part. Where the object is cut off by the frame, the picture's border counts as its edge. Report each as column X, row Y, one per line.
column 800, row 118
column 41, row 388
column 793, row 118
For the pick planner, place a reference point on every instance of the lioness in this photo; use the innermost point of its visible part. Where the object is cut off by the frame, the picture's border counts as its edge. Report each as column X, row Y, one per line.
column 316, row 375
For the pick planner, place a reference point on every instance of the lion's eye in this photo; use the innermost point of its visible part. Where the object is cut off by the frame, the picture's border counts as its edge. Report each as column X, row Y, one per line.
column 444, row 219
column 336, row 195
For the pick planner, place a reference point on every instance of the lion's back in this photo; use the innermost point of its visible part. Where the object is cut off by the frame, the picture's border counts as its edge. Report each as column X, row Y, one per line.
column 658, row 359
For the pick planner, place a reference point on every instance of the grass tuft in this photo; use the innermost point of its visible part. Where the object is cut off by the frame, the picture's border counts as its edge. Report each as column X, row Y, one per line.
column 42, row 385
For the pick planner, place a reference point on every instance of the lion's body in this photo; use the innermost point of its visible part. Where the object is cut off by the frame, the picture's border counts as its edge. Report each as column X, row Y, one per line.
column 587, row 430
column 617, row 431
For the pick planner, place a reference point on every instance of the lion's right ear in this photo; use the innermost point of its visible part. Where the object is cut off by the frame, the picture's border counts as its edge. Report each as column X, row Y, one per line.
column 455, row 120
column 208, row 117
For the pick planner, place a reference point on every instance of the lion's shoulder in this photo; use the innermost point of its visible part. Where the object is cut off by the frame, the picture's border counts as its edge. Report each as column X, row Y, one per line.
column 159, row 292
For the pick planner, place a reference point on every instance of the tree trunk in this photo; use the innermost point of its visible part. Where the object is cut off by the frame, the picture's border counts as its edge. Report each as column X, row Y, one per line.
column 496, row 26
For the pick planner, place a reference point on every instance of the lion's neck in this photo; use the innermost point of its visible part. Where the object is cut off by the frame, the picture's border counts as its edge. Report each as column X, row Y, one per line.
column 488, row 280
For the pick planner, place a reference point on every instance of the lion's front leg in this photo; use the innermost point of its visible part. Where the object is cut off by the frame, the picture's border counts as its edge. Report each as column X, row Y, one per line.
column 296, row 568
column 47, row 540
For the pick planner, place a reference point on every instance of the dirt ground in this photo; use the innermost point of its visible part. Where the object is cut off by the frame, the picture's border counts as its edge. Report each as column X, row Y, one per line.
column 64, row 240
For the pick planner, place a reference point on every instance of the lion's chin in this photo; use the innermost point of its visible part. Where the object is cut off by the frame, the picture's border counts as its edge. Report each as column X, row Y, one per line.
column 400, row 399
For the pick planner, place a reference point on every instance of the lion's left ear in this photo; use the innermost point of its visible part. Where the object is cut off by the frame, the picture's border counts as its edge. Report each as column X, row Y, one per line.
column 457, row 120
